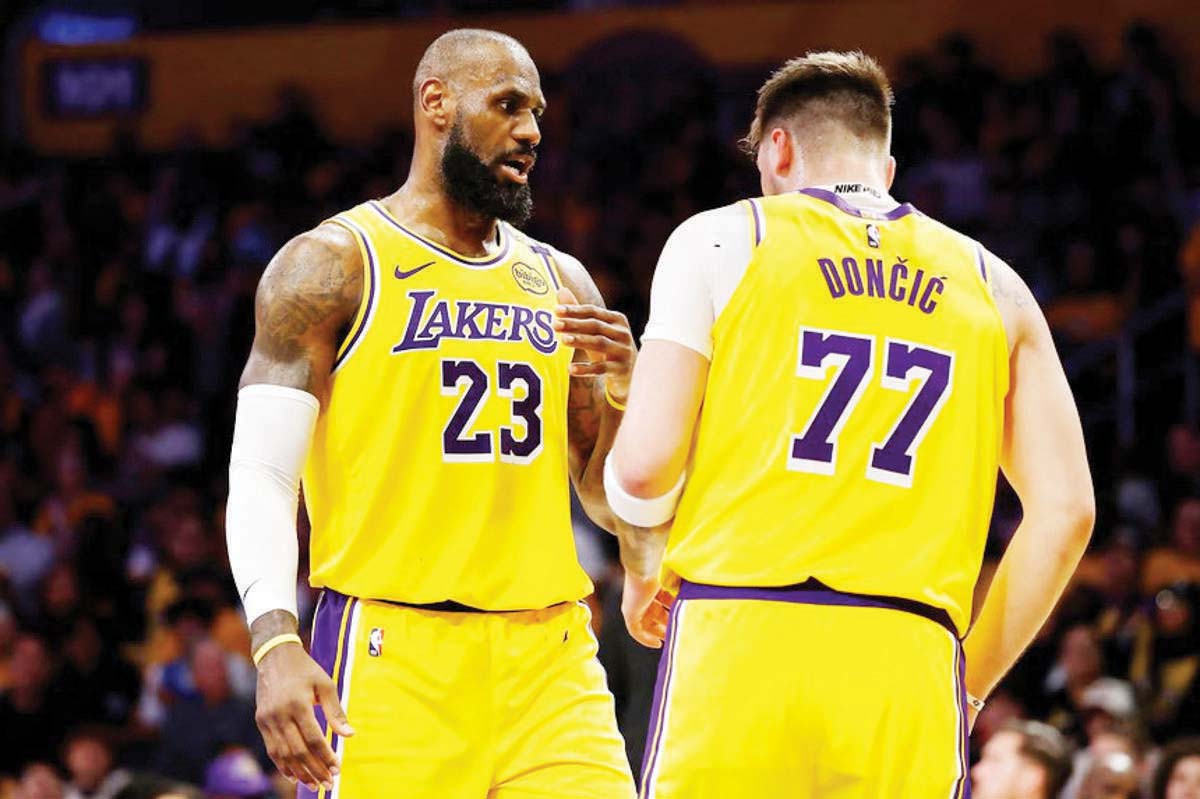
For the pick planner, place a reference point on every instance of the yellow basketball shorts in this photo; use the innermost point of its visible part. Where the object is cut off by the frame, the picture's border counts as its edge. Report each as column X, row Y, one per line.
column 799, row 692
column 468, row 705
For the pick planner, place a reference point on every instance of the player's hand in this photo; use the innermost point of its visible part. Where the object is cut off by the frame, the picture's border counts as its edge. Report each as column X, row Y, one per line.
column 646, row 607
column 289, row 684
column 606, row 338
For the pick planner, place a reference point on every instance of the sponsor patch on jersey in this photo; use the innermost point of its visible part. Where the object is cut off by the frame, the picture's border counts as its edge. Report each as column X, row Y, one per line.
column 529, row 278
column 375, row 642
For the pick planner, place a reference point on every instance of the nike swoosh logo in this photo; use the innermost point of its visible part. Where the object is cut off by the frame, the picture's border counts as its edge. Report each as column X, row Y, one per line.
column 247, row 591
column 401, row 274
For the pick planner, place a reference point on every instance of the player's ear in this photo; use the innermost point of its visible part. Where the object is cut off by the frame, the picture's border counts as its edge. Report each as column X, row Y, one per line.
column 890, row 172
column 433, row 98
column 783, row 152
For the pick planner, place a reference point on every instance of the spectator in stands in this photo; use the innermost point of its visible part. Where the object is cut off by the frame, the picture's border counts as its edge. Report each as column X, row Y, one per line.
column 39, row 781
column 1079, row 665
column 1110, row 776
column 1100, row 754
column 1024, row 760
column 235, row 774
column 1108, row 705
column 196, row 730
column 96, row 683
column 1166, row 664
column 1178, row 773
column 1180, row 561
column 30, row 708
column 89, row 760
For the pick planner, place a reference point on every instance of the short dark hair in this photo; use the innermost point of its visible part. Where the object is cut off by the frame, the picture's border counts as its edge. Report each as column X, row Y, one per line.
column 1172, row 754
column 849, row 88
column 1046, row 747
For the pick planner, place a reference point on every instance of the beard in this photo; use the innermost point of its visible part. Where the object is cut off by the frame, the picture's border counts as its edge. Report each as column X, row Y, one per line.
column 472, row 184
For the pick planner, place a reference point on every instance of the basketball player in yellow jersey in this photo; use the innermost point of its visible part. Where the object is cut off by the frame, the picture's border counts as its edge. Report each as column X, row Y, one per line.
column 412, row 364
column 853, row 374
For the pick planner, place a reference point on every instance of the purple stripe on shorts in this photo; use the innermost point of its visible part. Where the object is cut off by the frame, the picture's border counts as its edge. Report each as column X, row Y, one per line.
column 327, row 622
column 964, row 753
column 982, row 262
column 904, row 209
column 658, row 706
column 340, row 677
column 758, row 227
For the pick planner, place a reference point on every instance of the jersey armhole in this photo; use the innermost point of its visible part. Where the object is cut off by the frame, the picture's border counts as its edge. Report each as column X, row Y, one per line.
column 551, row 264
column 370, row 296
column 758, row 224
column 981, row 263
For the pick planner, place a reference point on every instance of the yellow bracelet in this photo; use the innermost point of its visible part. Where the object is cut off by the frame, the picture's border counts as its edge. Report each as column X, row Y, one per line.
column 286, row 638
column 611, row 400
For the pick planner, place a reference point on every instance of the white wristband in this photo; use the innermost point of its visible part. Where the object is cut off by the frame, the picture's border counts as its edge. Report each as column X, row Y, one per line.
column 635, row 510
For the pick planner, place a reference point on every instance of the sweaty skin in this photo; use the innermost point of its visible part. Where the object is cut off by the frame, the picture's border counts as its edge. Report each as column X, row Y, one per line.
column 487, row 84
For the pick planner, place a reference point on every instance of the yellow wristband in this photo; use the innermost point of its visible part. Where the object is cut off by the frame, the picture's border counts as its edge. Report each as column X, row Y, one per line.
column 286, row 638
column 611, row 400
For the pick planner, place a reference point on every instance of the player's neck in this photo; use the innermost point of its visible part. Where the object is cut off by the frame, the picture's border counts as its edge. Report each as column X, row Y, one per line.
column 842, row 170
column 422, row 205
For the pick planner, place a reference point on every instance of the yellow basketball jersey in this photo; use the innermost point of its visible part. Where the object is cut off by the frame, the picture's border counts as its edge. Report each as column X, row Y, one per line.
column 852, row 422
column 438, row 470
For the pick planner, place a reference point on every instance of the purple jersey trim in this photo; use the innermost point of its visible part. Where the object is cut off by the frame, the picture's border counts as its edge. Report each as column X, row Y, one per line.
column 758, row 224
column 982, row 261
column 904, row 209
column 544, row 252
column 327, row 622
column 356, row 334
column 658, row 705
column 451, row 254
column 814, row 592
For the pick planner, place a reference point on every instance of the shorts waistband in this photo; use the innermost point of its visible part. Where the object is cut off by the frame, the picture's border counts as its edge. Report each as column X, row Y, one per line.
column 814, row 592
column 449, row 605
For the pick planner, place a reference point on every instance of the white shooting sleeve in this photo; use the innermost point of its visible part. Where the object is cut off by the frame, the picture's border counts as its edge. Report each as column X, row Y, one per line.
column 271, row 437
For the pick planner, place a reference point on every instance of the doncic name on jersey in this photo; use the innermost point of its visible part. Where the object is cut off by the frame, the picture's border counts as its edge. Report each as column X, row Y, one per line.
column 430, row 320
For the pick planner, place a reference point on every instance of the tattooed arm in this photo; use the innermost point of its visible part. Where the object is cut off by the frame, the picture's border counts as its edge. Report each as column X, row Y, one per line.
column 309, row 292
column 604, row 355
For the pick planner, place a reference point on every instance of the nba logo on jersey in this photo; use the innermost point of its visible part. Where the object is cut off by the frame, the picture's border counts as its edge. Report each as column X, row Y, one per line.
column 873, row 236
column 375, row 642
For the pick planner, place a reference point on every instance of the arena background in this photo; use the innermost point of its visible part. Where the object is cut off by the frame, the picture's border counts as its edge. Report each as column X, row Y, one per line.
column 155, row 155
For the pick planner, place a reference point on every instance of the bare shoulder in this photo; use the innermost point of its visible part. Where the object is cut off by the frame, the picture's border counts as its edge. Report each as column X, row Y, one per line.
column 309, row 291
column 316, row 277
column 1017, row 305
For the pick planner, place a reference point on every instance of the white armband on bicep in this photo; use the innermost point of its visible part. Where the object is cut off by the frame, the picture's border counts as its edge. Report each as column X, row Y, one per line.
column 271, row 436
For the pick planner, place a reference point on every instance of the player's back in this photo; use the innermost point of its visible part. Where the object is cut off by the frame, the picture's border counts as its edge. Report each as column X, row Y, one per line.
column 852, row 422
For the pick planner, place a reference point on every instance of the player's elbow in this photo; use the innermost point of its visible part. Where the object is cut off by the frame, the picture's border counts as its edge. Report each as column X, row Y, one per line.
column 645, row 477
column 1082, row 514
column 1074, row 517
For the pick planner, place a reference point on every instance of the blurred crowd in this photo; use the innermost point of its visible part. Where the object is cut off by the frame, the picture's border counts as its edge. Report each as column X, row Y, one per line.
column 126, row 289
